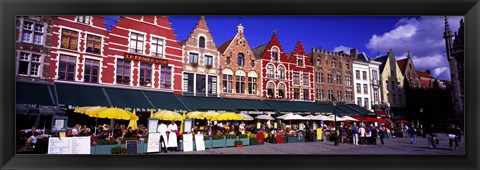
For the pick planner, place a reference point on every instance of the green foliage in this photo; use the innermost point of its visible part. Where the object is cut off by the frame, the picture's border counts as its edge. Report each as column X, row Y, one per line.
column 205, row 137
column 194, row 64
column 229, row 136
column 252, row 136
column 118, row 150
column 217, row 137
column 106, row 142
column 238, row 142
column 208, row 66
column 244, row 136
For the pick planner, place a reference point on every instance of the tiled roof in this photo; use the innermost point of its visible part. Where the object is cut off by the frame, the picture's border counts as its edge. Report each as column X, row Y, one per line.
column 363, row 57
column 258, row 51
column 224, row 46
column 424, row 74
column 403, row 65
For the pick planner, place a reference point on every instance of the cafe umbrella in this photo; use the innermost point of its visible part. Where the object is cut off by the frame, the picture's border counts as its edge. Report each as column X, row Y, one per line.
column 168, row 115
column 133, row 122
column 228, row 116
column 210, row 115
column 246, row 117
column 264, row 117
column 195, row 115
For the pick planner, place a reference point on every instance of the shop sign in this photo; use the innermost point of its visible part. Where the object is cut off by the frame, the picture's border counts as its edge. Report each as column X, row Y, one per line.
column 147, row 59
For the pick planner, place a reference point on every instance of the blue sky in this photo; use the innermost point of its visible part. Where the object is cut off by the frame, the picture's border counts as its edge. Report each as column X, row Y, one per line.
column 374, row 35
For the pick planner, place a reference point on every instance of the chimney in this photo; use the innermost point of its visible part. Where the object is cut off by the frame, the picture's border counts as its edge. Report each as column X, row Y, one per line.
column 428, row 71
column 353, row 52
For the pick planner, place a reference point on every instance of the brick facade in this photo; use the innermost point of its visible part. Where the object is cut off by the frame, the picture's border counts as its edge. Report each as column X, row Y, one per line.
column 304, row 88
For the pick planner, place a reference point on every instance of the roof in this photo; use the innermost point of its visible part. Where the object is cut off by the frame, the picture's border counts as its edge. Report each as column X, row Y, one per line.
column 403, row 65
column 183, row 42
column 364, row 57
column 258, row 51
column 224, row 46
column 424, row 74
column 383, row 60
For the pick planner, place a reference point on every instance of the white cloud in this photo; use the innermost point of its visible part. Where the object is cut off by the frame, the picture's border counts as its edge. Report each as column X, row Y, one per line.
column 442, row 73
column 342, row 48
column 423, row 37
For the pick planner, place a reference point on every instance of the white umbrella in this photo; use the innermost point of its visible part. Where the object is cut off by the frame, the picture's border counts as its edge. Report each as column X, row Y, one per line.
column 309, row 117
column 283, row 116
column 264, row 117
column 339, row 119
column 246, row 117
column 349, row 118
column 294, row 117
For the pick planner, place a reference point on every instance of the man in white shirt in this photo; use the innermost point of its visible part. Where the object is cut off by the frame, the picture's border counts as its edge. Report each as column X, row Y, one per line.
column 362, row 134
column 172, row 137
column 162, row 129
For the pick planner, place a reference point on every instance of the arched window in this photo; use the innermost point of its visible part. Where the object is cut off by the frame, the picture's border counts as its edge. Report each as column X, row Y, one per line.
column 281, row 72
column 274, row 54
column 281, row 91
column 201, row 42
column 270, row 90
column 240, row 59
column 270, row 71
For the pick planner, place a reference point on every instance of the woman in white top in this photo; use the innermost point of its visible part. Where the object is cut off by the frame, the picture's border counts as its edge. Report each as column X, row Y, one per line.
column 362, row 134
column 172, row 137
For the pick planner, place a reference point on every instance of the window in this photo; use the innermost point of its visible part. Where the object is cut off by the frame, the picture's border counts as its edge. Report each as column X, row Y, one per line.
column 212, row 84
column 270, row 71
column 201, row 83
column 188, row 82
column 375, row 96
column 193, row 58
column 359, row 88
column 94, row 44
column 228, row 60
column 274, row 54
column 30, row 64
column 349, row 95
column 91, row 71
column 281, row 91
column 252, row 85
column 374, row 75
column 66, row 69
column 319, row 62
column 364, row 75
column 300, row 61
column 330, row 78
column 306, row 79
column 366, row 103
column 208, row 60
column 296, row 93
column 252, row 63
column 227, row 83
column 240, row 84
column 348, row 80
column 69, row 39
column 123, row 71
column 334, row 63
column 201, row 42
column 357, row 74
column 32, row 33
column 339, row 79
column 365, row 89
column 359, row 101
column 306, row 94
column 319, row 94
column 84, row 19
column 330, row 94
column 321, row 78
column 317, row 77
column 156, row 48
column 296, row 78
column 281, row 72
column 165, row 77
column 136, row 43
column 348, row 65
column 240, row 59
column 271, row 90
column 145, row 74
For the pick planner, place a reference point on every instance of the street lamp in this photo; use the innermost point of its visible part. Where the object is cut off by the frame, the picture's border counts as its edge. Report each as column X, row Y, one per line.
column 334, row 103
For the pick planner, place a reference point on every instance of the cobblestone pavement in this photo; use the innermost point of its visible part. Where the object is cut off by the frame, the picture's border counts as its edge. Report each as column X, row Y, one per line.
column 392, row 146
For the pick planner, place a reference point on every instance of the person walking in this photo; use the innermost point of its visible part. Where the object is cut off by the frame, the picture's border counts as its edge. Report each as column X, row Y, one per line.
column 374, row 135
column 413, row 135
column 453, row 134
column 355, row 135
column 368, row 135
column 382, row 135
column 162, row 129
column 362, row 135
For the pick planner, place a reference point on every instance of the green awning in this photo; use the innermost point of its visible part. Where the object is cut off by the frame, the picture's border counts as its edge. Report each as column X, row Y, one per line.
column 164, row 100
column 128, row 98
column 32, row 93
column 206, row 103
column 315, row 107
column 238, row 104
column 344, row 110
column 360, row 109
column 80, row 95
column 259, row 105
column 285, row 106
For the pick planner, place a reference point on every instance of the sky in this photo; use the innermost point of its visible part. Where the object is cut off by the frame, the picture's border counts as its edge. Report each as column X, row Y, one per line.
column 374, row 35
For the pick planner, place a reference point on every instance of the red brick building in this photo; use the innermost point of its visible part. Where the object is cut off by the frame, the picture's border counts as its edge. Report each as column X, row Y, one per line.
column 240, row 69
column 301, row 83
column 139, row 51
column 275, row 70
column 201, row 65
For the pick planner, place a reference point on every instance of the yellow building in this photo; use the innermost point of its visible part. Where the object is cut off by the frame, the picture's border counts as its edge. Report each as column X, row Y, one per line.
column 392, row 84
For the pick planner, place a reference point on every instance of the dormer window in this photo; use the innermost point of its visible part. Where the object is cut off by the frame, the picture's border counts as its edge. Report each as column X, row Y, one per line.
column 274, row 54
column 300, row 62
column 240, row 59
column 201, row 42
column 84, row 19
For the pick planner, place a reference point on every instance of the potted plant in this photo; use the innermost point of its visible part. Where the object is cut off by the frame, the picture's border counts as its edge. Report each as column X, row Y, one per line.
column 284, row 138
column 118, row 150
column 231, row 139
column 208, row 66
column 194, row 64
column 130, row 138
column 208, row 142
column 238, row 143
column 218, row 141
column 105, row 146
column 244, row 138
